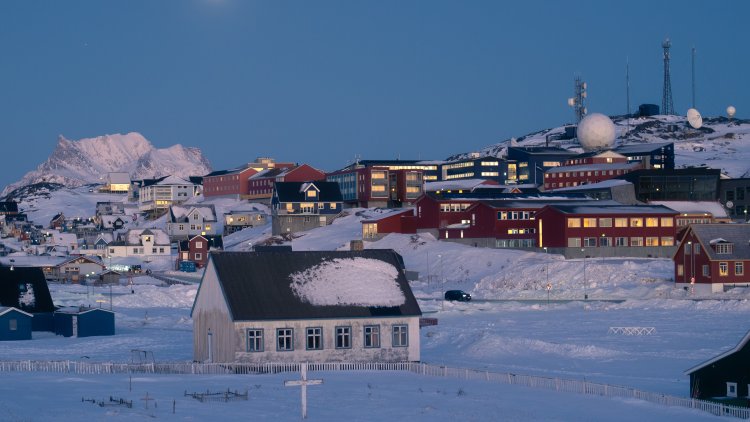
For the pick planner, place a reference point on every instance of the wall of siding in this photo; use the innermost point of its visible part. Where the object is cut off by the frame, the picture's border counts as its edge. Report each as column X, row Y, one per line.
column 211, row 311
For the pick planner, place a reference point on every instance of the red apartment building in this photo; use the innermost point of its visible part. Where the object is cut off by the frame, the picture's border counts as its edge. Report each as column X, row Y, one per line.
column 235, row 182
column 260, row 185
column 379, row 186
column 587, row 169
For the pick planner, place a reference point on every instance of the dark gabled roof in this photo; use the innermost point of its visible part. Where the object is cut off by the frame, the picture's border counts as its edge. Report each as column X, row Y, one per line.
column 493, row 194
column 257, row 285
column 509, row 204
column 596, row 208
column 641, row 148
column 736, row 234
column 728, row 353
column 9, row 207
column 292, row 191
column 196, row 180
column 12, row 282
column 149, row 182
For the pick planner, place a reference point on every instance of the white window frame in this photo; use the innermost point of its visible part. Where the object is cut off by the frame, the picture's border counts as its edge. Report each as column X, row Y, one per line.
column 344, row 337
column 254, row 335
column 731, row 389
column 400, row 336
column 371, row 336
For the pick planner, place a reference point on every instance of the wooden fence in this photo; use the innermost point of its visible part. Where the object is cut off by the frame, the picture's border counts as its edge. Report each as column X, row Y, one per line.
column 556, row 384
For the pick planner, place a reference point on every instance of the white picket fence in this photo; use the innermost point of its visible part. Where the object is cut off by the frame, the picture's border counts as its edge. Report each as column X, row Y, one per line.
column 556, row 384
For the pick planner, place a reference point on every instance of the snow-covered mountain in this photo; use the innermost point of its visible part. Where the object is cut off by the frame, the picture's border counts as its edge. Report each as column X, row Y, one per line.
column 85, row 161
column 721, row 143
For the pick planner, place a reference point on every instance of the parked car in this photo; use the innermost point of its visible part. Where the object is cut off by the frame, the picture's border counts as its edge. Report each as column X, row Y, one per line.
column 458, row 295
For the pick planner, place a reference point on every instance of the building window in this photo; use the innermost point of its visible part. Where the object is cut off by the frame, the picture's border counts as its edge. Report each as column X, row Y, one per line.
column 254, row 340
column 652, row 222
column 605, row 241
column 723, row 248
column 739, row 268
column 314, row 338
column 574, row 222
column 731, row 389
column 343, row 337
column 284, row 339
column 696, row 249
column 636, row 222
column 706, row 270
column 13, row 324
column 621, row 222
column 574, row 242
column 589, row 242
column 400, row 335
column 667, row 241
column 198, row 256
column 652, row 241
column 372, row 336
column 636, row 241
column 667, row 222
column 605, row 222
column 723, row 269
column 680, row 270
column 621, row 241
column 589, row 222
column 311, row 193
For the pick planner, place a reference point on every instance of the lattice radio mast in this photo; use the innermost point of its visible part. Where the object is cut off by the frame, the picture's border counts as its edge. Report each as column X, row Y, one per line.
column 667, row 105
column 578, row 102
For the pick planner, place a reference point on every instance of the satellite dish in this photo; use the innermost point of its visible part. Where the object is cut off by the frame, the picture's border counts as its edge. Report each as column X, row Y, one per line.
column 571, row 101
column 694, row 118
column 730, row 111
column 730, row 204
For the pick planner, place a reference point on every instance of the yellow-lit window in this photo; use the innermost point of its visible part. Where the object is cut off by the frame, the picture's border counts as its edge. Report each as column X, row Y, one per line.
column 589, row 222
column 574, row 222
column 667, row 241
column 652, row 241
column 652, row 222
column 621, row 222
column 636, row 222
column 723, row 269
column 311, row 193
column 667, row 222
column 378, row 188
column 378, row 175
column 289, row 207
column 605, row 222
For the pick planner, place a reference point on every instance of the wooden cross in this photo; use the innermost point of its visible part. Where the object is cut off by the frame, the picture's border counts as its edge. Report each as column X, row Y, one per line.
column 303, row 382
column 146, row 399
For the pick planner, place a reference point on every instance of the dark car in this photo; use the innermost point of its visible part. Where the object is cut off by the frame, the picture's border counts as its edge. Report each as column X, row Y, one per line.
column 458, row 295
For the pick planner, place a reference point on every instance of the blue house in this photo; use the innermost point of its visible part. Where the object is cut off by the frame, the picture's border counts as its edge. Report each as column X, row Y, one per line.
column 301, row 206
column 84, row 322
column 15, row 324
column 25, row 288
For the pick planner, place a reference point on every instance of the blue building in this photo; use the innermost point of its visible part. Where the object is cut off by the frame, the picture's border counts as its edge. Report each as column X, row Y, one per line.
column 15, row 324
column 84, row 322
column 301, row 206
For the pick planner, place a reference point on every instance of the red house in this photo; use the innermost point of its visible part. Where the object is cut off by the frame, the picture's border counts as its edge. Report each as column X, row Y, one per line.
column 608, row 230
column 196, row 249
column 713, row 257
column 260, row 185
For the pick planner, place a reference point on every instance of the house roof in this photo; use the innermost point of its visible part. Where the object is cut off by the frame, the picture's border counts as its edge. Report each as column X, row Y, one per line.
column 119, row 178
column 594, row 167
column 715, row 359
column 595, row 208
column 292, row 192
column 695, row 207
column 173, row 180
column 736, row 234
column 180, row 214
column 34, row 298
column 641, row 148
column 9, row 207
column 5, row 309
column 313, row 284
column 78, row 310
column 604, row 184
column 133, row 237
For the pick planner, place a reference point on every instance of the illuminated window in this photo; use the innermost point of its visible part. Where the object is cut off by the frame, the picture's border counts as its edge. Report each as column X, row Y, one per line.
column 652, row 241
column 667, row 222
column 574, row 222
column 621, row 222
column 723, row 269
column 636, row 222
column 589, row 222
column 667, row 241
column 605, row 222
column 574, row 242
column 311, row 193
column 636, row 241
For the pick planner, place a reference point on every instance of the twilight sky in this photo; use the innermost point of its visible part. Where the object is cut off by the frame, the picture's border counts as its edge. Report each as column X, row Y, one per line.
column 321, row 81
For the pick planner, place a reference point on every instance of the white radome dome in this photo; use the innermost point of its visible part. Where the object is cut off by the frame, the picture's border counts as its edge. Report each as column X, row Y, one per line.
column 731, row 111
column 596, row 131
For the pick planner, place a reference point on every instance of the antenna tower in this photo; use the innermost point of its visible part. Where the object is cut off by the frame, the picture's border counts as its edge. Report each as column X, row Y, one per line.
column 578, row 101
column 667, row 105
column 693, row 75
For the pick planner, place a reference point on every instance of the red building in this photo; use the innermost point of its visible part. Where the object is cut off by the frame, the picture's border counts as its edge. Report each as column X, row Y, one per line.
column 592, row 226
column 588, row 168
column 235, row 182
column 713, row 257
column 379, row 185
column 196, row 249
column 260, row 185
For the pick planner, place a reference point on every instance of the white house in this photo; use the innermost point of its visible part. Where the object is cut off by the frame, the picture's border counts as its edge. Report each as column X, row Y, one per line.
column 117, row 182
column 143, row 243
column 184, row 222
column 237, row 220
column 170, row 190
column 313, row 306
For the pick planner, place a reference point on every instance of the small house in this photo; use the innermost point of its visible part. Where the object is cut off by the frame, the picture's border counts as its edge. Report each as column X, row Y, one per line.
column 84, row 322
column 15, row 324
column 724, row 377
column 196, row 250
column 301, row 206
column 25, row 289
column 307, row 306
column 183, row 222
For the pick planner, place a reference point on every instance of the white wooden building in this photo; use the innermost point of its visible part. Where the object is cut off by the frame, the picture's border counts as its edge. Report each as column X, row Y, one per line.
column 313, row 306
column 188, row 221
column 142, row 243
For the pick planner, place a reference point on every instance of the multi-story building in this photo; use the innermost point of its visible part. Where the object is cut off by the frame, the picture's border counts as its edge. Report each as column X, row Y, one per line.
column 261, row 184
column 532, row 162
column 188, row 221
column 477, row 166
column 157, row 197
column 237, row 220
column 690, row 184
column 651, row 156
column 141, row 243
column 378, row 186
column 734, row 194
column 234, row 182
column 301, row 206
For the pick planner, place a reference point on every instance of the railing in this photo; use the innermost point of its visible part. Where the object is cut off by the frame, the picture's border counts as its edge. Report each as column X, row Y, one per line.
column 556, row 384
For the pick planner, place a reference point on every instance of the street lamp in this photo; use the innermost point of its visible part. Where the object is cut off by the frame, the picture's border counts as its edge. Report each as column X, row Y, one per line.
column 585, row 295
column 440, row 257
column 546, row 264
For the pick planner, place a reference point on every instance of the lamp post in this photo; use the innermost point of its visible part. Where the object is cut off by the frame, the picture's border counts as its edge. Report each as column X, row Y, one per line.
column 688, row 249
column 585, row 295
column 546, row 264
column 442, row 280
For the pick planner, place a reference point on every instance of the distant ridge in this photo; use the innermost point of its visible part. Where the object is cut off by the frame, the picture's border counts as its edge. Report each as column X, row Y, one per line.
column 86, row 161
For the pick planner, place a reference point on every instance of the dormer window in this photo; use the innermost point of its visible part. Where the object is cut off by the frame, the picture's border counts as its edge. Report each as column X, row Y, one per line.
column 147, row 239
column 723, row 248
column 311, row 193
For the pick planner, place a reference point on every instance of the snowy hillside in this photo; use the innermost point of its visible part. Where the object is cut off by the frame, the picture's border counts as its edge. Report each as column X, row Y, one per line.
column 85, row 161
column 720, row 143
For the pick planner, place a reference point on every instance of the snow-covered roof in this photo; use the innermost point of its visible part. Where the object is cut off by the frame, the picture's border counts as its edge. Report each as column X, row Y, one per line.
column 717, row 240
column 174, row 180
column 459, row 184
column 598, row 185
column 31, row 260
column 458, row 226
column 207, row 211
column 5, row 309
column 715, row 359
column 695, row 207
column 119, row 178
column 133, row 237
column 594, row 167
